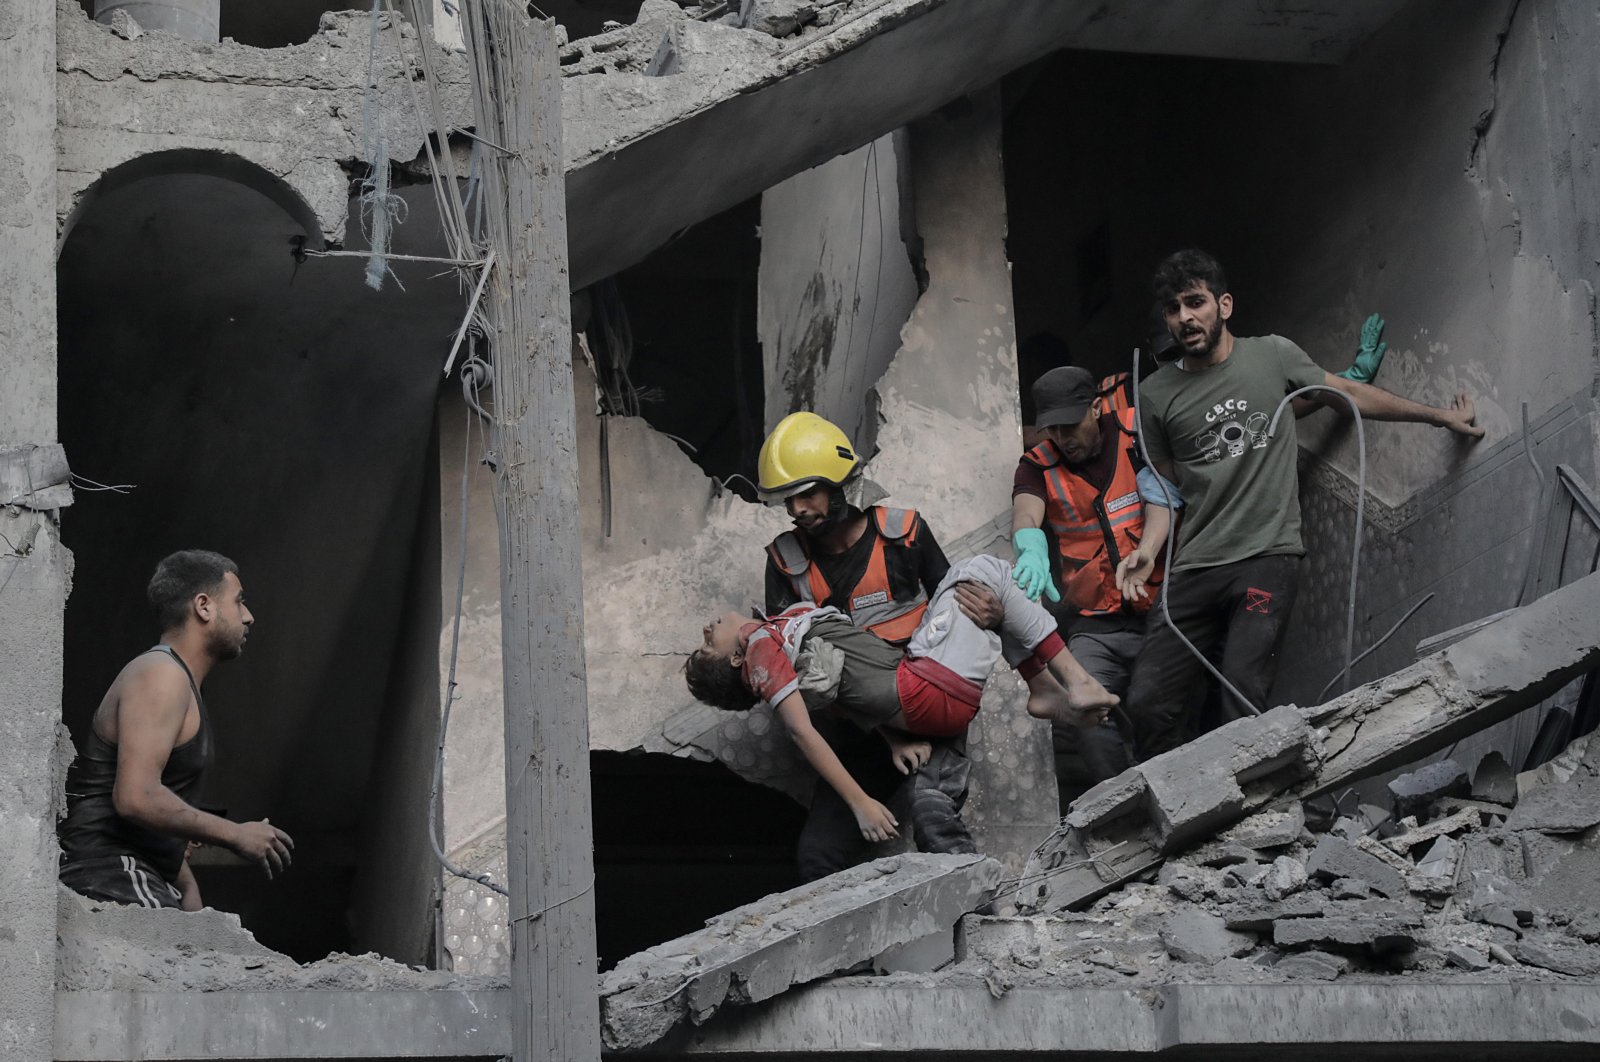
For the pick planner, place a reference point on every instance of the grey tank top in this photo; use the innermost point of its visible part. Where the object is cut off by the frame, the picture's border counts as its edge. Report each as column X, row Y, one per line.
column 93, row 829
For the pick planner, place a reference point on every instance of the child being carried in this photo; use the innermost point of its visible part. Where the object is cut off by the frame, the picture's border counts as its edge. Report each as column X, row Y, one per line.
column 812, row 659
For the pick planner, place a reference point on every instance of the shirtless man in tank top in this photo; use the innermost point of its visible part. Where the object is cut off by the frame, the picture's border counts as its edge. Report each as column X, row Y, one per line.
column 130, row 818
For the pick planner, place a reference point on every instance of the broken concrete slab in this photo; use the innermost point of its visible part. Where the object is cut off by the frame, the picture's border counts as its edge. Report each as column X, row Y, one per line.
column 1126, row 825
column 1198, row 936
column 1313, row 965
column 1472, row 684
column 1286, row 875
column 1465, row 819
column 1258, row 916
column 1553, row 951
column 1333, row 859
column 1378, row 933
column 1277, row 828
column 1466, row 958
column 1571, row 807
column 1436, row 870
column 758, row 951
column 1412, row 793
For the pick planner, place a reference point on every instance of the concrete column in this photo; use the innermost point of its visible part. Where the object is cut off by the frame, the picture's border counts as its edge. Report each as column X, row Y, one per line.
column 199, row 20
column 32, row 563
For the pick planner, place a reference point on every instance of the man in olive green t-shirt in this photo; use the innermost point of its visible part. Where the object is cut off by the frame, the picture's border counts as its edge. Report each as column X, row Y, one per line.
column 1234, row 575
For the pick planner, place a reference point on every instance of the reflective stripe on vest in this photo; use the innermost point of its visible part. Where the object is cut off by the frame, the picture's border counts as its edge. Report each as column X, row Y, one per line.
column 871, row 603
column 1114, row 394
column 1081, row 537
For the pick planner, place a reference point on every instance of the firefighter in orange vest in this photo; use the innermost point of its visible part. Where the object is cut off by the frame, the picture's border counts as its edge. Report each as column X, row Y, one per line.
column 880, row 565
column 1086, row 484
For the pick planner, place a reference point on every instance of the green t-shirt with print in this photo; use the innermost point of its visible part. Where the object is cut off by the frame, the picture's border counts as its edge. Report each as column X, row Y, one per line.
column 1239, row 489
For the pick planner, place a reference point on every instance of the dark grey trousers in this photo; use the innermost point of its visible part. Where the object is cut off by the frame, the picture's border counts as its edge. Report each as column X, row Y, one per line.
column 1106, row 646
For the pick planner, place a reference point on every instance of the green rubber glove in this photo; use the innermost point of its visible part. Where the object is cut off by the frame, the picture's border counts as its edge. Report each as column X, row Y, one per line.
column 1032, row 570
column 1370, row 357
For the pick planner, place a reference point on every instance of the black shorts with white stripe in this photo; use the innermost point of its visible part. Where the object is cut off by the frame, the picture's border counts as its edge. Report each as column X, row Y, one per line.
column 120, row 879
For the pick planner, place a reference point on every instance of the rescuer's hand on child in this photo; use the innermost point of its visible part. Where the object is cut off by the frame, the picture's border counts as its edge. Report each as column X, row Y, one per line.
column 1132, row 573
column 876, row 821
column 980, row 605
column 908, row 754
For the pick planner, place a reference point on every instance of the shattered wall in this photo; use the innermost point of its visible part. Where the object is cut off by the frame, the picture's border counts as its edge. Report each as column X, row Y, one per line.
column 836, row 284
column 947, row 418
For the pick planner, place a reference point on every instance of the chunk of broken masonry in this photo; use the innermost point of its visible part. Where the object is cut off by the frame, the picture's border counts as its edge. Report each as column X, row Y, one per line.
column 1413, row 792
column 1197, row 936
column 1334, row 859
column 1129, row 825
column 759, row 950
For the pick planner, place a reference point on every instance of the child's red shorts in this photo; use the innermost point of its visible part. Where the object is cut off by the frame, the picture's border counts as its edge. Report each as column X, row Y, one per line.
column 936, row 701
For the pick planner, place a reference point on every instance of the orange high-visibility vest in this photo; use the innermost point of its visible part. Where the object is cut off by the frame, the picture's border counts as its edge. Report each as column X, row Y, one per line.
column 872, row 604
column 1114, row 393
column 1093, row 529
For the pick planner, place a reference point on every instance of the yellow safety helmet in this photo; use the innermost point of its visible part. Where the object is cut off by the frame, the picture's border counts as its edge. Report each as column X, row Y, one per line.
column 804, row 449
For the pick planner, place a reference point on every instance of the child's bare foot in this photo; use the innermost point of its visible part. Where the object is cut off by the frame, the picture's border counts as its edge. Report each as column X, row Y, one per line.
column 1071, row 696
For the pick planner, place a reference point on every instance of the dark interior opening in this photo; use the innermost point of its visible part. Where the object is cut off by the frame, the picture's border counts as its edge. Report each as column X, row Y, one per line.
column 696, row 358
column 1113, row 161
column 677, row 842
column 281, row 413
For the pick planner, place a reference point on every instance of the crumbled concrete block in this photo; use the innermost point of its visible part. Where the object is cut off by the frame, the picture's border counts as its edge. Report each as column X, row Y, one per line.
column 1494, row 781
column 1190, row 882
column 1349, row 889
column 1487, row 890
column 1110, row 800
column 1413, row 792
column 1376, row 932
column 1466, row 958
column 1378, row 851
column 1373, row 816
column 1241, row 875
column 1197, row 789
column 1570, row 807
column 1333, row 859
column 1313, row 965
column 1258, row 916
column 1436, row 870
column 759, row 950
column 1586, row 927
column 1286, row 875
column 1461, row 821
column 1550, row 951
column 1348, row 828
column 1224, row 854
column 779, row 18
column 1490, row 813
column 1268, row 829
column 1196, row 936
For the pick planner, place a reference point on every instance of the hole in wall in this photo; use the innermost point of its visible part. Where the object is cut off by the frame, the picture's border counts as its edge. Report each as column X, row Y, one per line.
column 685, row 318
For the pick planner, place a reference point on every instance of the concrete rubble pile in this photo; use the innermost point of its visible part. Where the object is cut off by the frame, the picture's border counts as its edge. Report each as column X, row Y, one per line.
column 664, row 32
column 1501, row 883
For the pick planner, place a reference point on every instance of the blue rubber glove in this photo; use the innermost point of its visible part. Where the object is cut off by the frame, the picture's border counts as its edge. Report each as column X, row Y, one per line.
column 1032, row 570
column 1370, row 357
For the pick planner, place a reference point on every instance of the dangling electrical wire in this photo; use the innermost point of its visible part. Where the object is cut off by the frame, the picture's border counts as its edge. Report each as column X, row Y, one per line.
column 1355, row 558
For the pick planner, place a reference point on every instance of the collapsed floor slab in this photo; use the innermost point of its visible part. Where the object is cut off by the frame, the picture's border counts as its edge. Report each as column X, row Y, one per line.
column 1126, row 826
column 759, row 950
